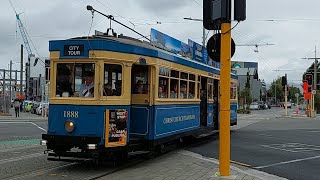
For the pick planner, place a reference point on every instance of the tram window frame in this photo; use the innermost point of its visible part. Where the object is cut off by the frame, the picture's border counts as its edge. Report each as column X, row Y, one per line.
column 210, row 88
column 143, row 79
column 69, row 72
column 199, row 85
column 116, row 79
column 164, row 75
column 233, row 91
column 192, row 78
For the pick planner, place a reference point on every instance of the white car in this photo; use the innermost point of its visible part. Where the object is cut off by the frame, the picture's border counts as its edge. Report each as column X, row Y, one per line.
column 254, row 106
column 40, row 107
column 289, row 105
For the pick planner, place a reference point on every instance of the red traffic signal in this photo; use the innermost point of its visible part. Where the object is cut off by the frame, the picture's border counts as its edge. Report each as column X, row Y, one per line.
column 309, row 79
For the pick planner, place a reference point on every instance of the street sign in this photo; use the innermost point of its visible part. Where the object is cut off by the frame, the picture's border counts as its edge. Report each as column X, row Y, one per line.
column 297, row 95
column 314, row 92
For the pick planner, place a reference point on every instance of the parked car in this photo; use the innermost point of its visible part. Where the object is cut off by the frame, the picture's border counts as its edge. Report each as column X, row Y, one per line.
column 254, row 106
column 41, row 106
column 289, row 105
column 27, row 105
column 35, row 105
column 261, row 105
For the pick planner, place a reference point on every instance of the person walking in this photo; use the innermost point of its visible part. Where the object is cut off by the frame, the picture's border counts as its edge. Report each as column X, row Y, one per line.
column 16, row 105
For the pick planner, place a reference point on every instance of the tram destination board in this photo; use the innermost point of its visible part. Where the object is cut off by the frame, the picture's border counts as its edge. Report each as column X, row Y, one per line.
column 74, row 50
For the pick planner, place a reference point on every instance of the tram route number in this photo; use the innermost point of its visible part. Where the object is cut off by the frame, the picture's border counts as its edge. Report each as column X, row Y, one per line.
column 70, row 114
column 74, row 50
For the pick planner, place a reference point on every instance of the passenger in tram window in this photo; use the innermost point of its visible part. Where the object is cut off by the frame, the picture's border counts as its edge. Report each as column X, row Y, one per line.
column 162, row 94
column 191, row 91
column 139, row 87
column 183, row 91
column 86, row 89
column 174, row 92
column 117, row 90
column 107, row 91
column 63, row 81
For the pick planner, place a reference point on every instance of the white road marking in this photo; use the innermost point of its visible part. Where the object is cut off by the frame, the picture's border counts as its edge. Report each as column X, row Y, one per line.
column 293, row 147
column 250, row 172
column 287, row 162
column 16, row 122
column 39, row 127
column 21, row 158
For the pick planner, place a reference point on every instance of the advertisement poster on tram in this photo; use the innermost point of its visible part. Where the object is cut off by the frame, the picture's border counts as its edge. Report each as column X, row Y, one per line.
column 170, row 44
column 118, row 127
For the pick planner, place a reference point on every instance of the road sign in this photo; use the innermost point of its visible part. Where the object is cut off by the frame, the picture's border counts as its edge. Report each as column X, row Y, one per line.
column 314, row 92
column 297, row 95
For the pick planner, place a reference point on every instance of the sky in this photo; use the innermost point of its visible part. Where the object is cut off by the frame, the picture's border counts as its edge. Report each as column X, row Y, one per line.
column 294, row 32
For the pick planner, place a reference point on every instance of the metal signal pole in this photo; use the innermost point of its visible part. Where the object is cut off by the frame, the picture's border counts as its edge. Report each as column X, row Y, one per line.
column 224, row 133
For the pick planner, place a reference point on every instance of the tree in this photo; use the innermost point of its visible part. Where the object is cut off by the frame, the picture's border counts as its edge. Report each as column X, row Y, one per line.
column 248, row 81
column 276, row 88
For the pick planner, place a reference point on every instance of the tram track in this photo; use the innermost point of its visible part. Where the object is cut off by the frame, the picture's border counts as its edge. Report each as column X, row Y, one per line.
column 80, row 170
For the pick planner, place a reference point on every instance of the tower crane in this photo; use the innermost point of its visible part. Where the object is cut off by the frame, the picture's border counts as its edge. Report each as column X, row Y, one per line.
column 24, row 34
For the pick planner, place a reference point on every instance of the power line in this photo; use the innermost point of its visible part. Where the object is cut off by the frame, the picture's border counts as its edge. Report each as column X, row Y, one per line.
column 197, row 3
column 115, row 12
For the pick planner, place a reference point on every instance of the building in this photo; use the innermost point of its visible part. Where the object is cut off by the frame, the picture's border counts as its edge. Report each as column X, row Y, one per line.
column 245, row 69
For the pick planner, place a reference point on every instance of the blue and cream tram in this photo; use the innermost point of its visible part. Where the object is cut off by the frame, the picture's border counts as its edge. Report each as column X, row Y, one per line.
column 118, row 94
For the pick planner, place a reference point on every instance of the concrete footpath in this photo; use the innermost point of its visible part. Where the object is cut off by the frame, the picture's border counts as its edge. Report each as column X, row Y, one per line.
column 182, row 164
column 24, row 116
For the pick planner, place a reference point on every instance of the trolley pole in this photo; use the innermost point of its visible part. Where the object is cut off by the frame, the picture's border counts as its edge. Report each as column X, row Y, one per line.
column 224, row 133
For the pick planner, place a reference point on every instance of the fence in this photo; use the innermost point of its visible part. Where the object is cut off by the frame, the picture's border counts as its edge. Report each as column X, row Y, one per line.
column 5, row 104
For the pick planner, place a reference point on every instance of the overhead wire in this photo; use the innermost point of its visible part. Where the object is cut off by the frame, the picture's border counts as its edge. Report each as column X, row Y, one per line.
column 115, row 12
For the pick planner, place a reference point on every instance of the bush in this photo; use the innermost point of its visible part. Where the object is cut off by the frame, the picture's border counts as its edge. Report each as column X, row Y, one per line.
column 243, row 111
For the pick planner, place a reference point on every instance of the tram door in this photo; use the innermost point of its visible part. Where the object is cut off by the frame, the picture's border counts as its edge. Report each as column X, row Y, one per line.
column 216, row 95
column 203, row 101
column 141, row 81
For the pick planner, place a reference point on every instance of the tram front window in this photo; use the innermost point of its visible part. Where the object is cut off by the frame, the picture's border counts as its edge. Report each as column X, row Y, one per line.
column 75, row 80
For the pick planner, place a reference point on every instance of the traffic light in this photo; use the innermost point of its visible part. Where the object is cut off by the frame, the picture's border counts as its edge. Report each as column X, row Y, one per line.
column 309, row 79
column 215, row 12
column 284, row 81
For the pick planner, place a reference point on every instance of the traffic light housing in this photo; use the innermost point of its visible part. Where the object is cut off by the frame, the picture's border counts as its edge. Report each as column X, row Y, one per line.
column 309, row 79
column 284, row 81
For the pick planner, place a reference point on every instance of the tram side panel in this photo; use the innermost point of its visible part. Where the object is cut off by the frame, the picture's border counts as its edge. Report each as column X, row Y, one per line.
column 174, row 119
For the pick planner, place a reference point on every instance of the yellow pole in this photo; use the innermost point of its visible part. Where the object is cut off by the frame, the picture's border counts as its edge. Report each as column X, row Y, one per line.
column 224, row 133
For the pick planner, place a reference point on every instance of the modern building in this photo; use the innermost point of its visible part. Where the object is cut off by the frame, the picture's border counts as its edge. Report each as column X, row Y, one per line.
column 245, row 70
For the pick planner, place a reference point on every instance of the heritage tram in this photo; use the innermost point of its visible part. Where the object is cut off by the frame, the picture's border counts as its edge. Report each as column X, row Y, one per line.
column 111, row 95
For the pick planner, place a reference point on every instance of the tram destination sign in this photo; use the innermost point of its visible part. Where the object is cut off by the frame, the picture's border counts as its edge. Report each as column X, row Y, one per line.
column 74, row 50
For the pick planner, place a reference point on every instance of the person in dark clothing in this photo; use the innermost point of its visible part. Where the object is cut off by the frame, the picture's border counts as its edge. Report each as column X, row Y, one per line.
column 16, row 105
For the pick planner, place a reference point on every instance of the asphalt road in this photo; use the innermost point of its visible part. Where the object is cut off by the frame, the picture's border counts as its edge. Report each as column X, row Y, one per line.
column 284, row 146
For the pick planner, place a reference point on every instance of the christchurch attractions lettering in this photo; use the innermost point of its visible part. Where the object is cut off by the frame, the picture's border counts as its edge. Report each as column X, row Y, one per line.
column 74, row 50
column 178, row 119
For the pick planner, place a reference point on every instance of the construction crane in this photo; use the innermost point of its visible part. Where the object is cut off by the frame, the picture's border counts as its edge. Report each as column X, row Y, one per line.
column 256, row 45
column 24, row 35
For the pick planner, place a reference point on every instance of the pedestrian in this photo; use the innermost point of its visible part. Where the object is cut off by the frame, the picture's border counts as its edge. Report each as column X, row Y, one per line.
column 16, row 105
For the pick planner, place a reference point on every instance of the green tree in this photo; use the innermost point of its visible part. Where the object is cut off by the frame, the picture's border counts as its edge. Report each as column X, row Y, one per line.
column 276, row 88
column 292, row 93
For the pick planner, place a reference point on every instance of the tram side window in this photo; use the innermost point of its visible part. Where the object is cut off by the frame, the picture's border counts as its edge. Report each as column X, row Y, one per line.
column 192, row 84
column 140, row 80
column 163, row 89
column 174, row 88
column 75, row 80
column 233, row 91
column 112, row 80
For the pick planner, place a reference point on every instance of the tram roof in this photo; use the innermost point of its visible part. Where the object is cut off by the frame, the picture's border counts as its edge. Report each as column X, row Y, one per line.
column 129, row 45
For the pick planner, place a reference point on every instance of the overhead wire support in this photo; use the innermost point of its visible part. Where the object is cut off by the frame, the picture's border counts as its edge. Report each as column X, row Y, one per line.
column 90, row 8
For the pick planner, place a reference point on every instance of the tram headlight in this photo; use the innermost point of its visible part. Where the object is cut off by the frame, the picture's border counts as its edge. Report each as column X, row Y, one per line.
column 69, row 126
